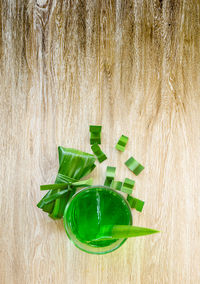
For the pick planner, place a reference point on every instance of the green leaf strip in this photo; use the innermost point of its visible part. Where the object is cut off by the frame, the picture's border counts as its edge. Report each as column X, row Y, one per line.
column 134, row 166
column 95, row 134
column 107, row 182
column 53, row 197
column 135, row 203
column 95, row 128
column 110, row 175
column 128, row 185
column 116, row 185
column 55, row 186
column 121, row 144
column 123, row 231
column 99, row 153
column 110, row 172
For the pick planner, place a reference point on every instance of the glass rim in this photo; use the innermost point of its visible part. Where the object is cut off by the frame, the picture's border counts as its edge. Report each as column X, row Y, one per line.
column 66, row 226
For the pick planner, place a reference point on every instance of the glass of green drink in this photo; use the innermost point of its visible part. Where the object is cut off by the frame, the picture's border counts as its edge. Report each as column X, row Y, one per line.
column 89, row 210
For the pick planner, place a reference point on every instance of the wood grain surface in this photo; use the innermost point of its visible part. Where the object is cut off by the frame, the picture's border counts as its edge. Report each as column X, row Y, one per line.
column 133, row 67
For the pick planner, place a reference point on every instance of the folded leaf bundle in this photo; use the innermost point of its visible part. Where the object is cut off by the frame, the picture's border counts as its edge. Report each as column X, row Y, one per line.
column 73, row 165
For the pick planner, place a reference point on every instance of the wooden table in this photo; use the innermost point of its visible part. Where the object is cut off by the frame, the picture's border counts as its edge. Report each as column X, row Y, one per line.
column 134, row 68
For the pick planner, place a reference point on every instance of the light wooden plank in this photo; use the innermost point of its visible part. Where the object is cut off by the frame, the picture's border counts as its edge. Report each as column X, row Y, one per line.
column 132, row 66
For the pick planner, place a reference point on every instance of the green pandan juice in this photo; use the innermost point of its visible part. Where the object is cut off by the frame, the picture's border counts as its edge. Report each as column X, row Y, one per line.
column 88, row 211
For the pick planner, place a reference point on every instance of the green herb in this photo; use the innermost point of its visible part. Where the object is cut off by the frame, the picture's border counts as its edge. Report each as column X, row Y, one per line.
column 95, row 138
column 134, row 166
column 95, row 134
column 110, row 172
column 95, row 128
column 131, row 201
column 65, row 179
column 135, row 203
column 123, row 231
column 121, row 144
column 107, row 182
column 46, row 207
column 83, row 183
column 54, row 186
column 128, row 185
column 98, row 152
column 116, row 185
column 74, row 165
column 53, row 197
column 110, row 175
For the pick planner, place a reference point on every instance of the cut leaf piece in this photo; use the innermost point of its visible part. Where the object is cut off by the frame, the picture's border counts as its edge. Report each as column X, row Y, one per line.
column 116, row 185
column 131, row 201
column 110, row 172
column 139, row 205
column 134, row 166
column 99, row 153
column 95, row 134
column 107, row 182
column 121, row 144
column 110, row 175
column 95, row 128
column 138, row 170
column 135, row 203
column 128, row 185
column 95, row 138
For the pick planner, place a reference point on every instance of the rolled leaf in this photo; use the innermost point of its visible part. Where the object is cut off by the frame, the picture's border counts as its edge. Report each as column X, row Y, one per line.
column 54, row 186
column 55, row 196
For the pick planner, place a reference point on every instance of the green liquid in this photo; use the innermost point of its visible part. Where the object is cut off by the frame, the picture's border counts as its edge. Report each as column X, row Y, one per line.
column 93, row 208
